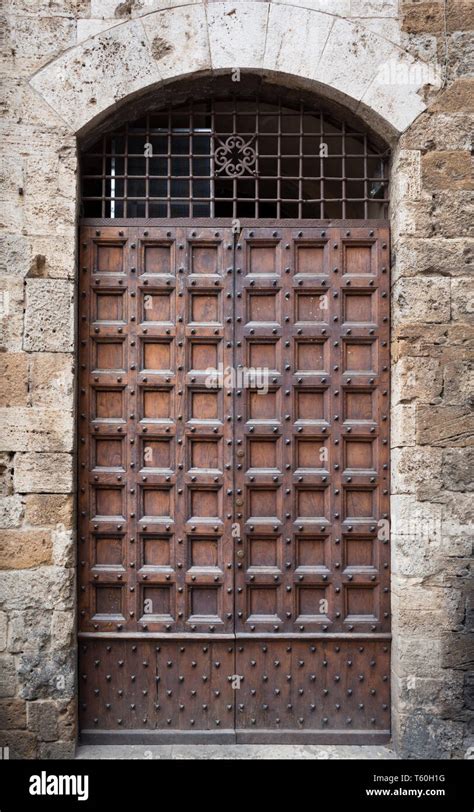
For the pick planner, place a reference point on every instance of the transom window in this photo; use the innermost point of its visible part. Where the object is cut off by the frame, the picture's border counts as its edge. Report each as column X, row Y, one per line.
column 235, row 158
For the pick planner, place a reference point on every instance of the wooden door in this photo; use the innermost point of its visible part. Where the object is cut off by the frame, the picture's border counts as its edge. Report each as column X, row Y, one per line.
column 233, row 482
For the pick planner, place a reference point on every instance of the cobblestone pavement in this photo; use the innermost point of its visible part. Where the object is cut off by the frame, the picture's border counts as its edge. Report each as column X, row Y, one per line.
column 234, row 751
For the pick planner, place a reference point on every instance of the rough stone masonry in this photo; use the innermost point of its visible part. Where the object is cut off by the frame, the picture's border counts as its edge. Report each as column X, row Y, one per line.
column 66, row 64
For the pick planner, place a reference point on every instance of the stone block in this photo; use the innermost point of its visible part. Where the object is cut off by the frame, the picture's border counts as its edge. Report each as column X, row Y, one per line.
column 39, row 429
column 49, row 509
column 29, row 631
column 62, row 630
column 13, row 379
column 444, row 425
column 51, row 256
column 21, row 744
column 452, row 213
column 12, row 714
column 8, row 676
column 42, row 719
column 422, row 300
column 459, row 15
column 434, row 257
column 11, row 511
column 41, row 589
column 456, row 98
column 295, row 49
column 402, row 424
column 457, row 469
column 237, row 34
column 172, row 52
column 51, row 380
column 417, row 471
column 48, row 675
column 447, row 169
column 6, row 473
column 37, row 40
column 419, row 379
column 63, row 547
column 458, row 382
column 462, row 299
column 11, row 314
column 49, row 316
column 26, row 548
column 57, row 751
column 3, row 630
column 420, row 735
column 14, row 255
column 43, row 473
column 422, row 18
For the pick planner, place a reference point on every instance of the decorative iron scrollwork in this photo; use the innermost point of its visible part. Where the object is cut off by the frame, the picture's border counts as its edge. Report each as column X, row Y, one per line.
column 235, row 157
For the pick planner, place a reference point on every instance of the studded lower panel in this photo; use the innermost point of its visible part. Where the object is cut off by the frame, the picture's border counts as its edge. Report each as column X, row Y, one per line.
column 329, row 690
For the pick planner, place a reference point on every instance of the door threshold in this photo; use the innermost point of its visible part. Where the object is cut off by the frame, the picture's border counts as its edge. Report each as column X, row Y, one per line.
column 152, row 737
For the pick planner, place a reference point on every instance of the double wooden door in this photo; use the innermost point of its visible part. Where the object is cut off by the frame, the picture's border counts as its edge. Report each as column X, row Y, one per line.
column 233, row 481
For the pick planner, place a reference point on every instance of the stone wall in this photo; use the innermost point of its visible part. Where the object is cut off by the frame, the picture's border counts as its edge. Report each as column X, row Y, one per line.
column 67, row 62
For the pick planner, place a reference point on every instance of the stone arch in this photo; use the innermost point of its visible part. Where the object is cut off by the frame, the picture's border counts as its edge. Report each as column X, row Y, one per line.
column 335, row 57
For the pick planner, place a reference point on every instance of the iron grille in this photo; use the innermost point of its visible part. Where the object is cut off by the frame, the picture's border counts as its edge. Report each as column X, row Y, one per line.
column 235, row 158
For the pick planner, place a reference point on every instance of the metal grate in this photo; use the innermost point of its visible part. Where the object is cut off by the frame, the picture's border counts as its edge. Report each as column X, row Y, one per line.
column 235, row 158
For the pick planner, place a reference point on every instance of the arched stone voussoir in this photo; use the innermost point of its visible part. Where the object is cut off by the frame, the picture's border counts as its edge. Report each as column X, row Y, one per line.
column 350, row 61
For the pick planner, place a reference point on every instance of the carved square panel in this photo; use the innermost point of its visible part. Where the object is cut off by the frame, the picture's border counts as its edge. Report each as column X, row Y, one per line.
column 263, row 355
column 359, row 357
column 310, row 259
column 205, row 454
column 108, row 501
column 311, row 454
column 310, row 503
column 156, row 603
column 262, row 604
column 311, row 356
column 203, row 604
column 359, row 405
column 360, row 602
column 156, row 551
column 204, row 308
column 359, row 454
column 204, row 405
column 157, row 306
column 203, row 551
column 204, row 503
column 108, row 601
column 262, row 453
column 262, row 307
column 263, row 551
column 157, row 355
column 310, row 404
column 358, row 552
column 263, row 405
column 156, row 404
column 359, row 503
column 108, row 551
column 262, row 259
column 358, row 259
column 156, row 503
column 109, row 257
column 108, row 404
column 204, row 258
column 108, row 452
column 311, row 604
column 263, row 503
column 311, row 551
column 108, row 355
column 157, row 453
column 311, row 307
column 203, row 355
column 359, row 307
column 157, row 258
column 108, row 306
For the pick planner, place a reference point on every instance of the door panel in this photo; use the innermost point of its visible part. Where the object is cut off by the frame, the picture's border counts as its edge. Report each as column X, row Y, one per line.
column 233, row 556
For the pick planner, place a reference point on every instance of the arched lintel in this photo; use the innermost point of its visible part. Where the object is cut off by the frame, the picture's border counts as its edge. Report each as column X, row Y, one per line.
column 205, row 84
